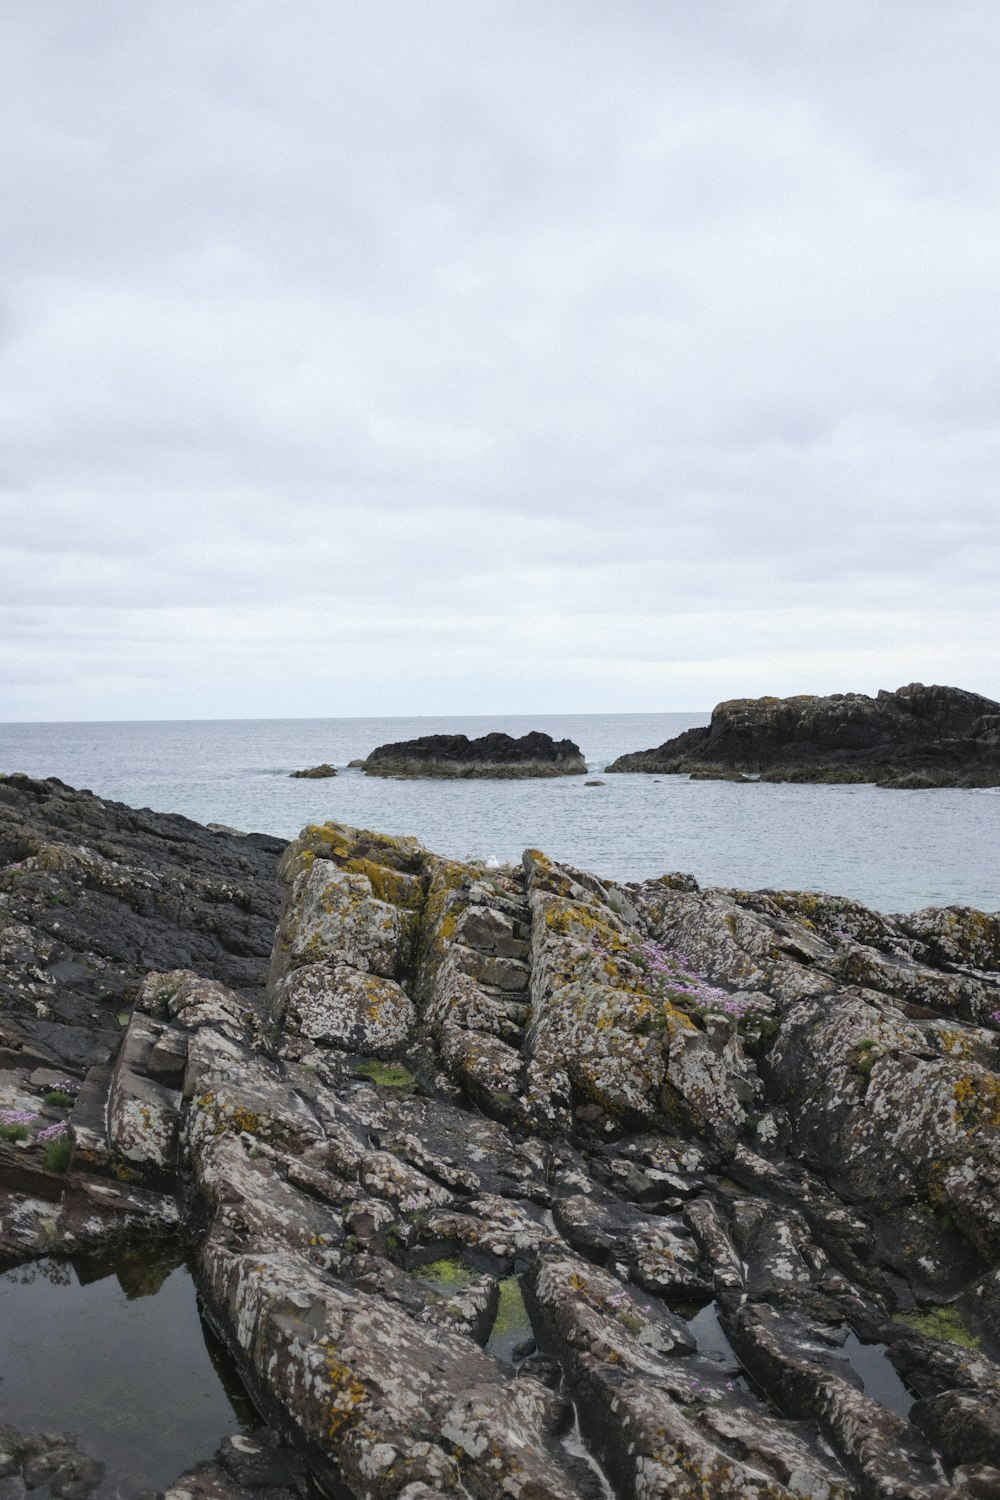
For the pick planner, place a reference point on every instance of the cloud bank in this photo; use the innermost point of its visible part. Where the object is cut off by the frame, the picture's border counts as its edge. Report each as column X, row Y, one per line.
column 500, row 357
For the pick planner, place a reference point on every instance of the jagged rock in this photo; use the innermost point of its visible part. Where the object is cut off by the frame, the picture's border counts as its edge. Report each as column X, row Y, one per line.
column 915, row 737
column 143, row 1114
column 314, row 773
column 494, row 755
column 344, row 1007
column 504, row 1139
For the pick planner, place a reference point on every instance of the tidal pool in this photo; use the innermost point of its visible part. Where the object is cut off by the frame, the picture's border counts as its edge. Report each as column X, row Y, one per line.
column 115, row 1353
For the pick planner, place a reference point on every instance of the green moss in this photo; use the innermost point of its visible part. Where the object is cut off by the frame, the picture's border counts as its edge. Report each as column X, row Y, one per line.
column 512, row 1325
column 512, row 1315
column 387, row 1075
column 448, row 1275
column 940, row 1323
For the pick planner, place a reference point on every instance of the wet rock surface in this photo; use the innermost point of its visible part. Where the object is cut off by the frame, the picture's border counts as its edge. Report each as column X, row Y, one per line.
column 518, row 1182
column 46, row 1462
column 493, row 755
column 914, row 737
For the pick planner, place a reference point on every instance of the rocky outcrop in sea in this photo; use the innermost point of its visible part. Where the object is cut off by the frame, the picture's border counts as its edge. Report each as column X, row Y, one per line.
column 493, row 755
column 915, row 737
column 519, row 1182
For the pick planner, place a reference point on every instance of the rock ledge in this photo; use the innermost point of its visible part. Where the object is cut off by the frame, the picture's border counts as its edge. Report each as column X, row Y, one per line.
column 493, row 755
column 915, row 737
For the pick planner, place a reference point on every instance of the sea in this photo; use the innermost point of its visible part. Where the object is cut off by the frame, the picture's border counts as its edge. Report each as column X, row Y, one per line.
column 895, row 850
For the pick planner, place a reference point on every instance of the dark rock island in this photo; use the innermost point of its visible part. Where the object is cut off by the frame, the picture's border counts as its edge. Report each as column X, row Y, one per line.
column 314, row 773
column 493, row 755
column 915, row 737
column 515, row 1184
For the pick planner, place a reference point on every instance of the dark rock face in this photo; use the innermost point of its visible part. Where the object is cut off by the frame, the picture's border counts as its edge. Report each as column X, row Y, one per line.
column 915, row 737
column 94, row 894
column 314, row 773
column 495, row 755
column 718, row 1169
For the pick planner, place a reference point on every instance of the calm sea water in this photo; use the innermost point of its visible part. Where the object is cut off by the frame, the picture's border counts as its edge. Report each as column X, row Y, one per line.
column 894, row 850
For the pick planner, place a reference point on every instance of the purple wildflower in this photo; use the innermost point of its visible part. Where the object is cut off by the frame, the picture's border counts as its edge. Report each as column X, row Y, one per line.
column 52, row 1132
column 674, row 979
column 17, row 1117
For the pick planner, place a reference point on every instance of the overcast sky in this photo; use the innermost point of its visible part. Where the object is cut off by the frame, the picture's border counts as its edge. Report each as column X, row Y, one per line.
column 444, row 356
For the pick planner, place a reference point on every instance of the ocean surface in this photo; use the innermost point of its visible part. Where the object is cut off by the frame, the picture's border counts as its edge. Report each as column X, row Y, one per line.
column 895, row 850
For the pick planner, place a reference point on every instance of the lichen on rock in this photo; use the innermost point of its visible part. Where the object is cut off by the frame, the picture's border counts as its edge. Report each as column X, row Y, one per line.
column 504, row 1145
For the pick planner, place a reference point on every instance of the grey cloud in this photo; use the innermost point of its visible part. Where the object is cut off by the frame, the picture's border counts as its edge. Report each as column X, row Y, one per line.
column 659, row 334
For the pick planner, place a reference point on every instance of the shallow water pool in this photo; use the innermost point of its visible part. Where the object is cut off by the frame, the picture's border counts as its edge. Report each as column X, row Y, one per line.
column 115, row 1353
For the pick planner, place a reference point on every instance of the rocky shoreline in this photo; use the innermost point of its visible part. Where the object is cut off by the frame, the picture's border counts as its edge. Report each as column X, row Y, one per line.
column 496, row 756
column 475, row 1163
column 913, row 738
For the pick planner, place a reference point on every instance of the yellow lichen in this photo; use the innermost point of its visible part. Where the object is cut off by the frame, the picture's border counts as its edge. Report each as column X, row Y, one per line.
column 977, row 1100
column 346, row 1394
column 387, row 884
column 246, row 1120
column 958, row 1044
column 126, row 1174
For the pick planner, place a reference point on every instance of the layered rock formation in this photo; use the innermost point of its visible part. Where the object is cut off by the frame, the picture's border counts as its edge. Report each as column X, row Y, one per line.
column 521, row 1183
column 915, row 737
column 493, row 755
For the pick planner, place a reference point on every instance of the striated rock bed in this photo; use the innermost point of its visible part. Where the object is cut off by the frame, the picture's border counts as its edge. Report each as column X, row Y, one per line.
column 521, row 1183
column 915, row 737
column 493, row 755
